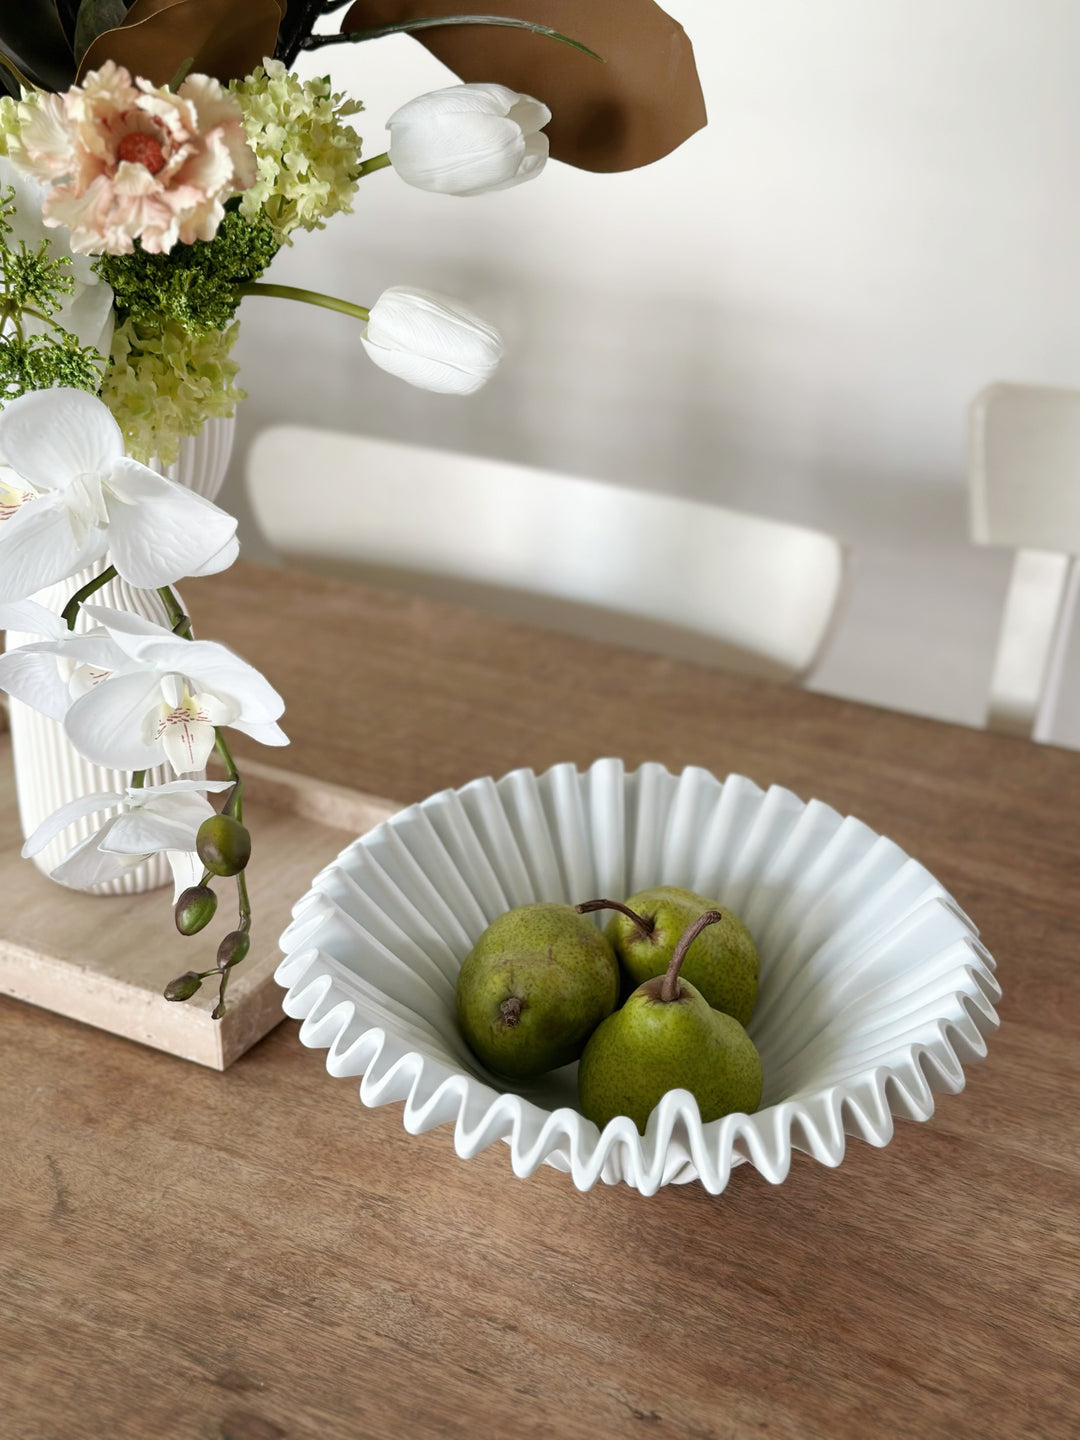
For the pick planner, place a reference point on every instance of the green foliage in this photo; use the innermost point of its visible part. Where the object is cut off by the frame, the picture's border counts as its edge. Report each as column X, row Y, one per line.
column 36, row 353
column 194, row 286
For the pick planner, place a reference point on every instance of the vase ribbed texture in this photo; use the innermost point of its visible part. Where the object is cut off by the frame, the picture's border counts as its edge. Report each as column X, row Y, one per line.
column 49, row 772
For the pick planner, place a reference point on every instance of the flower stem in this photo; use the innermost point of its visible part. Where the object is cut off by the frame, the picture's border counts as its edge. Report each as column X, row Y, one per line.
column 138, row 779
column 234, row 806
column 377, row 162
column 309, row 297
column 70, row 612
column 178, row 621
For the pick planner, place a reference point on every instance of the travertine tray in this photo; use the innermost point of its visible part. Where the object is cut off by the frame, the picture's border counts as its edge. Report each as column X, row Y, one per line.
column 105, row 959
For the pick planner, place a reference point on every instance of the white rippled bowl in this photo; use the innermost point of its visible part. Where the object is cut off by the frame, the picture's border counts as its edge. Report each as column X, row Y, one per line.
column 874, row 992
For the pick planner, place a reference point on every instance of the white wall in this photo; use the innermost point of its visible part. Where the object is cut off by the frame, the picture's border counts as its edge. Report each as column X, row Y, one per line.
column 789, row 314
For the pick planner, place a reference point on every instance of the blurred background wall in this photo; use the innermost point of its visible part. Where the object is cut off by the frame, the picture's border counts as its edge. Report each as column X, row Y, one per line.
column 789, row 315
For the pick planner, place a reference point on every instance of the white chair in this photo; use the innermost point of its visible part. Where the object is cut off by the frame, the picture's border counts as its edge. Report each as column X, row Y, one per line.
column 639, row 568
column 1024, row 488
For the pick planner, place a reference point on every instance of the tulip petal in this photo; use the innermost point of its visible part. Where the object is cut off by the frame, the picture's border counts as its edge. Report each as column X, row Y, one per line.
column 466, row 155
column 106, row 724
column 38, row 547
column 50, row 437
column 431, row 341
column 59, row 820
column 160, row 532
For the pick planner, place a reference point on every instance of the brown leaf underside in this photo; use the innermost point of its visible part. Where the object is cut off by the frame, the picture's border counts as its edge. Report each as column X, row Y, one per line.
column 643, row 102
column 224, row 38
column 633, row 109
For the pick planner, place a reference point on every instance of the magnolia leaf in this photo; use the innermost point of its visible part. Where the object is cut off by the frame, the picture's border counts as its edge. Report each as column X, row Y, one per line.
column 67, row 12
column 222, row 38
column 33, row 45
column 94, row 17
column 643, row 102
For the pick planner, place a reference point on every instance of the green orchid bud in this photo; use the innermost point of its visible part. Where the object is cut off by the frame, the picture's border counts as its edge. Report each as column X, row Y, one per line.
column 223, row 845
column 233, row 949
column 195, row 909
column 183, row 987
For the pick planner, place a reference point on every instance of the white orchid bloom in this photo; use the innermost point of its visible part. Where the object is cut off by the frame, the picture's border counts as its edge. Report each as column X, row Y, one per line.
column 48, row 675
column 87, row 313
column 81, row 497
column 431, row 341
column 148, row 821
column 163, row 696
column 468, row 139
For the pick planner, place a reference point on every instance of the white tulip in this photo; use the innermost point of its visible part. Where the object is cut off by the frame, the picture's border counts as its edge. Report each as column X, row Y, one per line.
column 70, row 495
column 468, row 139
column 431, row 341
column 148, row 821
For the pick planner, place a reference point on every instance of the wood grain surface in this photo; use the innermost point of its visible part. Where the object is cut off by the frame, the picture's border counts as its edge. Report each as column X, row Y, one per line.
column 253, row 1256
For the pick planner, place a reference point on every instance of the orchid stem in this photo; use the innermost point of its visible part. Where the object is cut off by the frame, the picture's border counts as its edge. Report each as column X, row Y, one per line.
column 138, row 779
column 309, row 297
column 234, row 806
column 70, row 612
column 377, row 162
column 179, row 623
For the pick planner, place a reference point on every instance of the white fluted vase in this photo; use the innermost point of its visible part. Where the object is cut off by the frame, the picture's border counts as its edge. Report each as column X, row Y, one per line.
column 49, row 772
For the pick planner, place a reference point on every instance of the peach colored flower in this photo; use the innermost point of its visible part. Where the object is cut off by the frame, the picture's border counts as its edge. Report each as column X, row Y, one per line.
column 126, row 161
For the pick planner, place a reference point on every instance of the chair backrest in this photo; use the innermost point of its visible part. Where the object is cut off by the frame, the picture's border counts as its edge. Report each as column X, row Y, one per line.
column 1024, row 491
column 766, row 588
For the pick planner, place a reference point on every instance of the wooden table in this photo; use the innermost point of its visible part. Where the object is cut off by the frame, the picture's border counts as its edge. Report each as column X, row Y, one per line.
column 254, row 1256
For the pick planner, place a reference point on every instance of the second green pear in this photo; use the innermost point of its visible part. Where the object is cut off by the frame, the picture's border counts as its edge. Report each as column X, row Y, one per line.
column 667, row 1037
column 722, row 963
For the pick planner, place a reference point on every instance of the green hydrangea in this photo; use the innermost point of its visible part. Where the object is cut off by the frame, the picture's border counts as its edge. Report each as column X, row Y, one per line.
column 163, row 383
column 9, row 120
column 194, row 285
column 308, row 158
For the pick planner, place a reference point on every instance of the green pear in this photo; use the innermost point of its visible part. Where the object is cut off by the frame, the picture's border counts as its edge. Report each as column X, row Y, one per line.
column 533, row 989
column 722, row 964
column 668, row 1037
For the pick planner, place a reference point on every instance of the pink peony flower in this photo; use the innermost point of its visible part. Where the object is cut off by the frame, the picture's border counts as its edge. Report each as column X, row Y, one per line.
column 125, row 161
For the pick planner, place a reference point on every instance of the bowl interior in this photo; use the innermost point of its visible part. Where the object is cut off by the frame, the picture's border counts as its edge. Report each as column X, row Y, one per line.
column 864, row 957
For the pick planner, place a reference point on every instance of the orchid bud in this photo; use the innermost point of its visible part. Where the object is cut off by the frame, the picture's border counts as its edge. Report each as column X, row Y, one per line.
column 183, row 987
column 195, row 909
column 223, row 845
column 431, row 341
column 467, row 139
column 233, row 949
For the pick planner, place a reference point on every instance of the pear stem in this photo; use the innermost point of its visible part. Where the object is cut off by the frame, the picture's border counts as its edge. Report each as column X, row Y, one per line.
column 644, row 924
column 669, row 986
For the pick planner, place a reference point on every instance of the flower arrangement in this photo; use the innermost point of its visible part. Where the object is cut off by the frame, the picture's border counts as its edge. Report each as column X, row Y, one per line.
column 154, row 157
